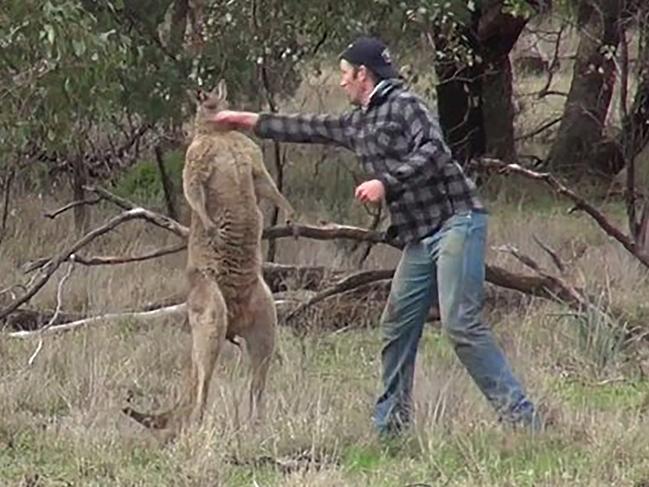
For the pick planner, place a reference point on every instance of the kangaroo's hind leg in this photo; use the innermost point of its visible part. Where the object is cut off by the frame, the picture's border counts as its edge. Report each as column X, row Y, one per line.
column 207, row 314
column 260, row 343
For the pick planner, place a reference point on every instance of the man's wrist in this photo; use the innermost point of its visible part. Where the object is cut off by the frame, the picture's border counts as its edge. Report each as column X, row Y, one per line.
column 250, row 120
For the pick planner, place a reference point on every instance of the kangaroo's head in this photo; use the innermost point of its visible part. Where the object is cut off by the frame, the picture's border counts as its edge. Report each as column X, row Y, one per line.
column 208, row 104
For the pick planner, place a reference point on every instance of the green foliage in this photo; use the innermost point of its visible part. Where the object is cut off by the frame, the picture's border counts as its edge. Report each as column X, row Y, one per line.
column 73, row 71
column 142, row 182
column 59, row 74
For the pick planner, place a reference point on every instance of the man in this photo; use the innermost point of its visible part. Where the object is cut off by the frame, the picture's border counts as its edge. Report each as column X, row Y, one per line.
column 435, row 216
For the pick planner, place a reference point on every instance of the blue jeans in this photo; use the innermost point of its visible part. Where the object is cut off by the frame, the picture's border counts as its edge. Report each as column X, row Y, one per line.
column 445, row 269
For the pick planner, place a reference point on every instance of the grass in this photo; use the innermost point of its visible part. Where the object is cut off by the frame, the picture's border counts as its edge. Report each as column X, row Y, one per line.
column 60, row 422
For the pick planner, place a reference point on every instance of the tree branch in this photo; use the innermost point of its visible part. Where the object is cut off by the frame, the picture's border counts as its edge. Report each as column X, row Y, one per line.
column 156, row 313
column 109, row 260
column 59, row 302
column 347, row 284
column 540, row 129
column 580, row 203
column 53, row 214
column 326, row 232
column 66, row 254
column 122, row 203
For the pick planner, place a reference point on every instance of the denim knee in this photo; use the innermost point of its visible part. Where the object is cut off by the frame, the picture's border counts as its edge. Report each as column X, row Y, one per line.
column 465, row 330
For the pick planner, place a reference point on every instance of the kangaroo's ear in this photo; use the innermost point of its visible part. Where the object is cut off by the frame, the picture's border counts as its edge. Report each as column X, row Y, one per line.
column 197, row 95
column 201, row 95
column 221, row 90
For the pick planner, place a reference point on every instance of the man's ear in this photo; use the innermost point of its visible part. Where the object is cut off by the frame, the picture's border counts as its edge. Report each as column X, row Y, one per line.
column 361, row 72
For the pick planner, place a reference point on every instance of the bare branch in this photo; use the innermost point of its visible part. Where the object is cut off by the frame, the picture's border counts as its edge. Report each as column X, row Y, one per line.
column 540, row 129
column 553, row 64
column 580, row 203
column 553, row 255
column 157, row 219
column 524, row 259
column 59, row 302
column 347, row 284
column 553, row 93
column 109, row 260
column 123, row 203
column 48, row 269
column 53, row 214
column 327, row 232
column 156, row 313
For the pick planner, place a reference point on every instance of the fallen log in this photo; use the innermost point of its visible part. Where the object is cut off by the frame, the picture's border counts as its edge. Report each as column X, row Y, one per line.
column 283, row 277
column 156, row 313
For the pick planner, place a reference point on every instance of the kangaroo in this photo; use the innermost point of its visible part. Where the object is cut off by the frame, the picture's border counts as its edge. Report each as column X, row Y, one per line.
column 224, row 177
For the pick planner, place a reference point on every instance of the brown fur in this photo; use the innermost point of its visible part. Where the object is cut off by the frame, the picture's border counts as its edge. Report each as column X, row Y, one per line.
column 223, row 178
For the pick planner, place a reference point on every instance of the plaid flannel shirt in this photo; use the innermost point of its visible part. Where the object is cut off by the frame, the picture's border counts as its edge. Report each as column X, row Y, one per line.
column 398, row 141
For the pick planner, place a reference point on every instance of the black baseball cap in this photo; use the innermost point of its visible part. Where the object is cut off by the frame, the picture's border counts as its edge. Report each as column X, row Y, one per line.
column 372, row 53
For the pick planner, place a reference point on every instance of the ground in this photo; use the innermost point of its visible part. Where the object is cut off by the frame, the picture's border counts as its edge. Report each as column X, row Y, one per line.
column 60, row 422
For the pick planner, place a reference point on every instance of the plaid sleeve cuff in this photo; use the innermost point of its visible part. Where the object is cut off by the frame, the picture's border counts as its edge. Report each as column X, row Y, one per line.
column 391, row 185
column 261, row 128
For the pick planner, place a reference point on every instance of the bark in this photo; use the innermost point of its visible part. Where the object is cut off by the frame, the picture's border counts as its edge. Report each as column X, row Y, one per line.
column 475, row 102
column 279, row 168
column 178, row 25
column 167, row 185
column 591, row 89
column 498, row 32
column 9, row 179
column 79, row 180
column 459, row 102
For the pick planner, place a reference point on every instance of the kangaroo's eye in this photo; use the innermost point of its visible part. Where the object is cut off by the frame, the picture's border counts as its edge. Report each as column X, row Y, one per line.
column 210, row 105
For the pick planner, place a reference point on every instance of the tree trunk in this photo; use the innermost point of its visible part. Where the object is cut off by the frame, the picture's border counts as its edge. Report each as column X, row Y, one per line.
column 459, row 103
column 498, row 111
column 613, row 155
column 79, row 180
column 591, row 88
column 6, row 200
column 636, row 127
column 498, row 32
column 167, row 185
column 279, row 167
column 178, row 25
column 475, row 102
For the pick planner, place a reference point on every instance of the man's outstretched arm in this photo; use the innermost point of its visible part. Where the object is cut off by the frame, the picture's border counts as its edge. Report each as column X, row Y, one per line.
column 304, row 128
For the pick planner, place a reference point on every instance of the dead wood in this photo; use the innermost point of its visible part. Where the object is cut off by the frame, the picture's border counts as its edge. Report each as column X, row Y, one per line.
column 33, row 319
column 349, row 283
column 54, row 213
column 96, row 260
column 315, row 278
column 329, row 231
column 50, row 268
column 580, row 203
column 156, row 313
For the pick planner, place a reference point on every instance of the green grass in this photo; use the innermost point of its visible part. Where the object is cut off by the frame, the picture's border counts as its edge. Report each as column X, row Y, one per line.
column 627, row 395
column 319, row 404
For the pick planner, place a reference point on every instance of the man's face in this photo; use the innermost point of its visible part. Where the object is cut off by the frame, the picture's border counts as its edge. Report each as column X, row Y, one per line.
column 353, row 80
